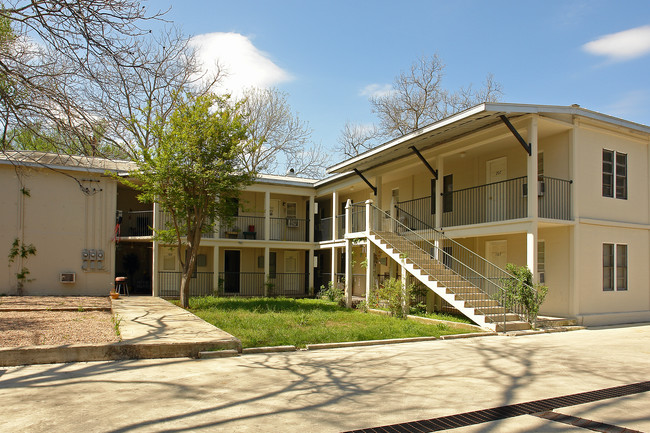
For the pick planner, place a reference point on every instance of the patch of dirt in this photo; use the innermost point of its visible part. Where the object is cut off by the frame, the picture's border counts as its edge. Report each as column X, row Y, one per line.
column 45, row 325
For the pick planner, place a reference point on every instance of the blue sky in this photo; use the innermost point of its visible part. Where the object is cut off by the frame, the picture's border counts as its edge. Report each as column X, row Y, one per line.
column 594, row 53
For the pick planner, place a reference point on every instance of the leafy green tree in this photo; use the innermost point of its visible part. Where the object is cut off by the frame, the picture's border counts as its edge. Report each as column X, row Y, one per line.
column 520, row 290
column 193, row 174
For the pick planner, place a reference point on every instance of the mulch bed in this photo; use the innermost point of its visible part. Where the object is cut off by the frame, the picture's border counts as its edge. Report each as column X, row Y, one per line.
column 55, row 320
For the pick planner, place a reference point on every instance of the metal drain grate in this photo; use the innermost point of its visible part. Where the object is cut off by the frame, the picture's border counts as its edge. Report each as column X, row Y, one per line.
column 497, row 413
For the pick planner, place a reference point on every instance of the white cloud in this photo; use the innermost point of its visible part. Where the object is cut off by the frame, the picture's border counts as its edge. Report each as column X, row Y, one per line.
column 376, row 90
column 244, row 64
column 620, row 46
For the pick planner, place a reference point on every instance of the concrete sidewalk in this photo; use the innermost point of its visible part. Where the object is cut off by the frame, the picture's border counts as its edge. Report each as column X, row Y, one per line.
column 150, row 327
column 339, row 389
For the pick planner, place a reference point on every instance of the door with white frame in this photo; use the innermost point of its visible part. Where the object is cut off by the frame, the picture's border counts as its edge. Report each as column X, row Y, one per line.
column 495, row 194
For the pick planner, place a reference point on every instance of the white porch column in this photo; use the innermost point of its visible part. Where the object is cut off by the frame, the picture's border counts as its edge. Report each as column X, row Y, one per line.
column 348, row 256
column 531, row 169
column 267, row 217
column 215, row 268
column 267, row 268
column 155, row 256
column 574, row 236
column 333, row 267
column 405, row 301
column 370, row 269
column 531, row 249
column 312, row 217
column 311, row 271
column 438, row 195
column 335, row 199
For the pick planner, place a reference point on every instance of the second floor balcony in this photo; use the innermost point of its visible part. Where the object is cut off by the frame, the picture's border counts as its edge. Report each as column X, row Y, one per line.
column 494, row 202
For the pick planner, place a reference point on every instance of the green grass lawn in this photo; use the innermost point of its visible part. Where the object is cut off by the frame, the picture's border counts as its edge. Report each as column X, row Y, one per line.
column 282, row 321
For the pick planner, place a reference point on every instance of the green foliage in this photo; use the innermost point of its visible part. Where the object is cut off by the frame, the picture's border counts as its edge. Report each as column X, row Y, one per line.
column 270, row 287
column 21, row 250
column 393, row 296
column 283, row 321
column 332, row 293
column 193, row 173
column 520, row 290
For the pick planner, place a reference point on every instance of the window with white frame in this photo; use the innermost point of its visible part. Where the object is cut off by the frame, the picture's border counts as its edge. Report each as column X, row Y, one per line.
column 614, row 267
column 614, row 174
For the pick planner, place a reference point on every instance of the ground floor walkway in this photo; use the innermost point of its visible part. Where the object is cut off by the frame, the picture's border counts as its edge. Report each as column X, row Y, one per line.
column 340, row 389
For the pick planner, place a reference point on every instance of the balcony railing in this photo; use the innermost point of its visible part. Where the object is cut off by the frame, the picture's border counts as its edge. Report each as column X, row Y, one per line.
column 288, row 229
column 498, row 201
column 201, row 284
column 243, row 227
column 554, row 198
column 241, row 283
column 416, row 214
column 324, row 230
column 137, row 223
column 340, row 226
column 289, row 284
column 358, row 217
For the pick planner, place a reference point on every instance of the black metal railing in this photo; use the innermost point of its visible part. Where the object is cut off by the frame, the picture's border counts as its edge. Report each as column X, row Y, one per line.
column 201, row 284
column 241, row 283
column 289, row 284
column 417, row 214
column 498, row 201
column 357, row 217
column 167, row 223
column 288, row 229
column 243, row 227
column 340, row 226
column 324, row 231
column 470, row 276
column 137, row 223
column 554, row 198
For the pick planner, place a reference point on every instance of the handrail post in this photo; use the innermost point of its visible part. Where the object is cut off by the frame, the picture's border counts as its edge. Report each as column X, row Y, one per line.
column 348, row 255
column 369, row 219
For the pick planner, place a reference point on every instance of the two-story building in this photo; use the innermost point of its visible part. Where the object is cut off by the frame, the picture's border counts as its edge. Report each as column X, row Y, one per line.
column 450, row 206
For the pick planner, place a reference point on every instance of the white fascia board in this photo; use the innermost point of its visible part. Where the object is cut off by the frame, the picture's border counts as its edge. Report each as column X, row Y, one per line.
column 59, row 167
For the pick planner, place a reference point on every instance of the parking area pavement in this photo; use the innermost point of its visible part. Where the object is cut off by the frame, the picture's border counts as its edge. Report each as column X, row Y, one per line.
column 338, row 389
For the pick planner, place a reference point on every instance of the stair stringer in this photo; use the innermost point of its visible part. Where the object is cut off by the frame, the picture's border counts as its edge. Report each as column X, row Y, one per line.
column 422, row 276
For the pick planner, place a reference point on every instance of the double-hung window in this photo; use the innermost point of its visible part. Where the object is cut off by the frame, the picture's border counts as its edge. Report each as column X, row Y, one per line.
column 614, row 267
column 614, row 174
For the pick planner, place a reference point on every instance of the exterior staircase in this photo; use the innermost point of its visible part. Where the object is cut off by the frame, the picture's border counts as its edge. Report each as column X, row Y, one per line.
column 465, row 280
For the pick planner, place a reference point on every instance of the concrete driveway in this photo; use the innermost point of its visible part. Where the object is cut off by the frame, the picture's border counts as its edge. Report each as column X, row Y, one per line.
column 339, row 389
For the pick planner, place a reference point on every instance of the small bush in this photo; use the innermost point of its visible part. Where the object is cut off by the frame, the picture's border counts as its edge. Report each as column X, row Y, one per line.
column 332, row 293
column 394, row 297
column 520, row 290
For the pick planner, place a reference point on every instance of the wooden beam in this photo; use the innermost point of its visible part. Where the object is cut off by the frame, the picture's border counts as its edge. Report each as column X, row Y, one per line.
column 527, row 147
column 425, row 162
column 373, row 188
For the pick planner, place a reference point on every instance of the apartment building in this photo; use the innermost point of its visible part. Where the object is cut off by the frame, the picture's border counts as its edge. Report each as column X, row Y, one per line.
column 447, row 205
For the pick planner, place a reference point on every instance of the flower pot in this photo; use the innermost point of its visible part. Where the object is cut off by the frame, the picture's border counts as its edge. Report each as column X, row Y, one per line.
column 114, row 295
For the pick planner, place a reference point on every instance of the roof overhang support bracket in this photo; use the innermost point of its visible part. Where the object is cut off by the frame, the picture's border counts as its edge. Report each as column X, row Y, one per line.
column 373, row 188
column 527, row 147
column 424, row 161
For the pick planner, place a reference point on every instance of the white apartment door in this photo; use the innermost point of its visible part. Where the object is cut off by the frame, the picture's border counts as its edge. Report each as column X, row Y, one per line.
column 495, row 194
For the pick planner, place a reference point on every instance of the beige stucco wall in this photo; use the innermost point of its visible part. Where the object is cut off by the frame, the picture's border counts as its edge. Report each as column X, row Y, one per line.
column 591, row 297
column 588, row 187
column 60, row 220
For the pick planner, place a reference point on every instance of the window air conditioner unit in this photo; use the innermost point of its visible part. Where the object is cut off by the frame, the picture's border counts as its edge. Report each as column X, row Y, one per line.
column 292, row 222
column 67, row 277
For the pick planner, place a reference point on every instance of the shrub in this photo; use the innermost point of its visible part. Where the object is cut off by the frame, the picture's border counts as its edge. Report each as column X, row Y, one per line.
column 521, row 291
column 332, row 293
column 394, row 297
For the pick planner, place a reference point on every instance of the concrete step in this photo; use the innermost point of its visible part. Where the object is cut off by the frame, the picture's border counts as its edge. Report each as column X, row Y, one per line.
column 495, row 318
column 512, row 326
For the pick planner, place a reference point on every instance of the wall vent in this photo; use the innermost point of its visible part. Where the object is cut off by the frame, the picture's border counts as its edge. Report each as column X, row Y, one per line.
column 67, row 277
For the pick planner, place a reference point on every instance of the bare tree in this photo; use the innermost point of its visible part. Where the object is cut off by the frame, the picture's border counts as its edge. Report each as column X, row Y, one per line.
column 356, row 139
column 48, row 52
column 310, row 162
column 283, row 135
column 417, row 99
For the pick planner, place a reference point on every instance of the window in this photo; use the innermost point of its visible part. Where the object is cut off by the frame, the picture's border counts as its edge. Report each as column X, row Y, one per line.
column 614, row 174
column 614, row 267
column 541, row 261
